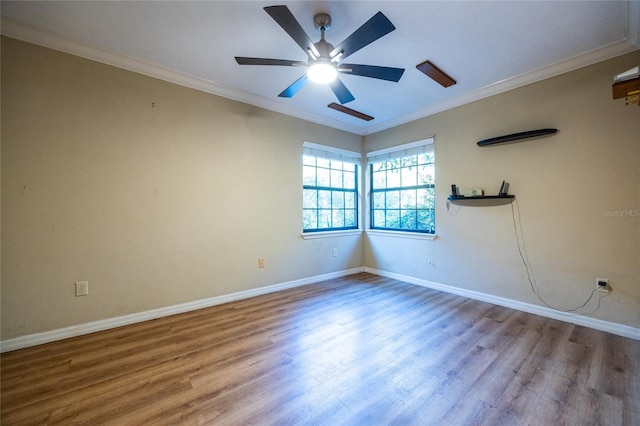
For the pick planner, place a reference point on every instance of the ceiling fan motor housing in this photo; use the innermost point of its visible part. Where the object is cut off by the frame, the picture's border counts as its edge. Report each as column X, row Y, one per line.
column 322, row 21
column 324, row 49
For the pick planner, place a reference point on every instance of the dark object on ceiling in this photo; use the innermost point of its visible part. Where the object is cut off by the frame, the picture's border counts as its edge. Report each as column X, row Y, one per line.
column 439, row 76
column 350, row 111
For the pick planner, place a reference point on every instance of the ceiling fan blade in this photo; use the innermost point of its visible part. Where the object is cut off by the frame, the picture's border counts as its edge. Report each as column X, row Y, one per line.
column 349, row 111
column 342, row 93
column 373, row 71
column 376, row 27
column 294, row 88
column 283, row 16
column 262, row 61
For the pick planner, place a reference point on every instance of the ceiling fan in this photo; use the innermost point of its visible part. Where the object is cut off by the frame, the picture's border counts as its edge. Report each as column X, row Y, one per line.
column 324, row 60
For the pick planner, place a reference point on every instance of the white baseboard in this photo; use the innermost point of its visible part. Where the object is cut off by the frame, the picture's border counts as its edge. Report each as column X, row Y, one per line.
column 100, row 325
column 609, row 327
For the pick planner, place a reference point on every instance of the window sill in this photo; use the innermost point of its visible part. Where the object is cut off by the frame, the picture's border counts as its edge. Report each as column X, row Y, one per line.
column 400, row 234
column 329, row 234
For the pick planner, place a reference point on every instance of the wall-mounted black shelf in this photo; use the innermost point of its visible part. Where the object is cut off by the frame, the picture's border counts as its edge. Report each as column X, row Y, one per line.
column 517, row 137
column 482, row 200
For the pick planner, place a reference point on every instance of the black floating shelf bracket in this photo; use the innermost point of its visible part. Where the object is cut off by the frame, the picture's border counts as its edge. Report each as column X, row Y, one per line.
column 514, row 137
column 482, row 200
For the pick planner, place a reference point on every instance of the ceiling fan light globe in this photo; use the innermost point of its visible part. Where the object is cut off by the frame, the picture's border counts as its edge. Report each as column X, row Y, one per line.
column 322, row 72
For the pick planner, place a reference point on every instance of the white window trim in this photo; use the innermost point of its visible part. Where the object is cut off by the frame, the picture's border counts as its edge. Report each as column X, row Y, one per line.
column 401, row 234
column 330, row 234
column 401, row 149
column 353, row 156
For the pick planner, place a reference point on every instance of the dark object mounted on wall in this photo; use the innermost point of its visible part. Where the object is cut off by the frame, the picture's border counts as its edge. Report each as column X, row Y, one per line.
column 516, row 137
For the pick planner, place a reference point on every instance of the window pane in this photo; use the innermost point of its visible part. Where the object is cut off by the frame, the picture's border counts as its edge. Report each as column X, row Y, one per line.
column 393, row 200
column 426, row 220
column 408, row 219
column 309, row 219
column 336, row 178
column 425, row 158
column 393, row 178
column 349, row 167
column 408, row 198
column 392, row 164
column 349, row 200
column 431, row 198
column 378, row 200
column 310, row 199
column 378, row 219
column 409, row 161
column 379, row 180
column 377, row 167
column 324, row 177
column 324, row 199
column 308, row 175
column 337, row 165
column 309, row 160
column 409, row 176
column 350, row 218
column 422, row 200
column 393, row 219
column 349, row 180
column 337, row 198
column 324, row 218
column 426, row 174
column 338, row 219
column 323, row 162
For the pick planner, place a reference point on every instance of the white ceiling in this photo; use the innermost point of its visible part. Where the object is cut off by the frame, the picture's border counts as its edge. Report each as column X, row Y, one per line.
column 488, row 47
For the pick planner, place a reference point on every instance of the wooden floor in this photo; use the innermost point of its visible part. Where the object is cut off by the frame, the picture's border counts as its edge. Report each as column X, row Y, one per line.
column 360, row 350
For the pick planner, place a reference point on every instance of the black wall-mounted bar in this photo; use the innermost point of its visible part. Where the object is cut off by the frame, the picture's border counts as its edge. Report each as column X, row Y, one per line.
column 517, row 136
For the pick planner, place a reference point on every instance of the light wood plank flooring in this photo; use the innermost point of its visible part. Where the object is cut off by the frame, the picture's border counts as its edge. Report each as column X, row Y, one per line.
column 360, row 350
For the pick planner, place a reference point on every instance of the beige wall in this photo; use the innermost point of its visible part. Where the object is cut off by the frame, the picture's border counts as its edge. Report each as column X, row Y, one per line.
column 568, row 189
column 165, row 204
column 154, row 206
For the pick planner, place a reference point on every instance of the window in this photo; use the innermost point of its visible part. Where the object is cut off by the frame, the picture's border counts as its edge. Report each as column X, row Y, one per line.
column 402, row 183
column 330, row 194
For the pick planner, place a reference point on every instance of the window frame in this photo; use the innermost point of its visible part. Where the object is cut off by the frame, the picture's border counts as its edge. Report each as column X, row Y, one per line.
column 336, row 154
column 397, row 152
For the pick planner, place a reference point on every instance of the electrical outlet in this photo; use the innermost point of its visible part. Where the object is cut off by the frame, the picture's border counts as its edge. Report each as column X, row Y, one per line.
column 82, row 288
column 334, row 252
column 260, row 263
column 602, row 285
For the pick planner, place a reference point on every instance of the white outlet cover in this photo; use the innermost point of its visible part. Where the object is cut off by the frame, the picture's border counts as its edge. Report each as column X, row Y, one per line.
column 82, row 288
